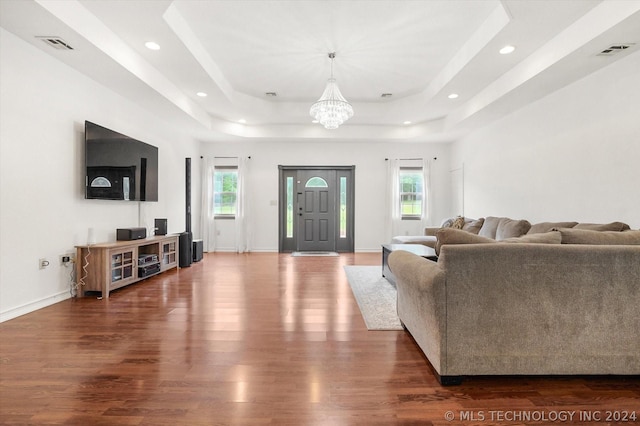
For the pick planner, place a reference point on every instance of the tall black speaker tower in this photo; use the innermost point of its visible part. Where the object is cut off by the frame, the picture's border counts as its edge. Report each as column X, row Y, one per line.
column 186, row 238
column 187, row 192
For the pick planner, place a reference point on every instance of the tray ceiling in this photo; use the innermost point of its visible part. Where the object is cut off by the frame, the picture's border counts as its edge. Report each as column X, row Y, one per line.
column 416, row 52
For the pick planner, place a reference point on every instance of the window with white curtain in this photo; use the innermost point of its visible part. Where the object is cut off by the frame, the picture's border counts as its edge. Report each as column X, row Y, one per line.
column 225, row 192
column 412, row 193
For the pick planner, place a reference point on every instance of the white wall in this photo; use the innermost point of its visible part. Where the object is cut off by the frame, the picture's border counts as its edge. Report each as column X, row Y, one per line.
column 370, row 184
column 573, row 155
column 44, row 214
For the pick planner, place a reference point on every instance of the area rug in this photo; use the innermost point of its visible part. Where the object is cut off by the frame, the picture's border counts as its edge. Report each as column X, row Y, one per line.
column 314, row 253
column 375, row 295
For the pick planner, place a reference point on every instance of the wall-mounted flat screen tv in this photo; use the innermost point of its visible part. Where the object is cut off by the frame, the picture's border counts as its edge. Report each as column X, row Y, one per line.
column 119, row 167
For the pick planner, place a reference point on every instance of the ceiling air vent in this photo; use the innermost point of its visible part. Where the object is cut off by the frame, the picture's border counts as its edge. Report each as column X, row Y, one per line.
column 56, row 42
column 616, row 48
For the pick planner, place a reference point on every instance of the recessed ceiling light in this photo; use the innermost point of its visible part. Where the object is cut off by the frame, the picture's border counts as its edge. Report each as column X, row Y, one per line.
column 315, row 121
column 202, row 94
column 152, row 45
column 452, row 96
column 507, row 49
column 406, row 122
column 242, row 121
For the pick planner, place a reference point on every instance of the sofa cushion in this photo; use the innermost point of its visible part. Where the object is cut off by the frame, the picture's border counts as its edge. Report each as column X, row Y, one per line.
column 587, row 236
column 551, row 237
column 429, row 241
column 509, row 228
column 473, row 225
column 458, row 236
column 613, row 226
column 548, row 226
column 489, row 227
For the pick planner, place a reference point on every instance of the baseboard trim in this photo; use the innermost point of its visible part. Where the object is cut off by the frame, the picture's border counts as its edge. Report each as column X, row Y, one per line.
column 33, row 306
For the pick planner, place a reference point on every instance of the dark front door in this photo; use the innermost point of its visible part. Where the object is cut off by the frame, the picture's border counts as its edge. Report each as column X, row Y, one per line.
column 316, row 208
column 316, row 214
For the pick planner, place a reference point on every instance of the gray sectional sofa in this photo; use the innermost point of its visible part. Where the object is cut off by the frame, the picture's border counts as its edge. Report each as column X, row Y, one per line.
column 553, row 302
column 500, row 228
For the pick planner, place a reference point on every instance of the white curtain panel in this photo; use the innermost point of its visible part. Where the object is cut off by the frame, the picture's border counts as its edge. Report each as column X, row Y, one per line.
column 393, row 216
column 242, row 231
column 207, row 222
column 427, row 207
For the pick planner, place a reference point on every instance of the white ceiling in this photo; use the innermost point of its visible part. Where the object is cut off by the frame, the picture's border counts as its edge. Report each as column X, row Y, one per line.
column 419, row 51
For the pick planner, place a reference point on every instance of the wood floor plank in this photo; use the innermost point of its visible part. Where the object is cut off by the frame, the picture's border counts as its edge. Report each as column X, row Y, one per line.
column 255, row 339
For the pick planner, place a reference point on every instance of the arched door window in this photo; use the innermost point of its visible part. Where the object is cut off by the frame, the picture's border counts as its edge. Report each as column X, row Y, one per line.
column 100, row 182
column 316, row 182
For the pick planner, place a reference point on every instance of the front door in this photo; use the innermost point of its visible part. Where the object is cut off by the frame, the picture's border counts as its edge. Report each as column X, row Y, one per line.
column 316, row 208
column 316, row 213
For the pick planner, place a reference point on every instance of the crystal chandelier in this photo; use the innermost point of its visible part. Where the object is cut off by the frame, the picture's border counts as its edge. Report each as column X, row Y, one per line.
column 332, row 109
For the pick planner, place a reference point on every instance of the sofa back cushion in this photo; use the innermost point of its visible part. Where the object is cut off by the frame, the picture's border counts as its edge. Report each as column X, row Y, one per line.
column 548, row 226
column 551, row 237
column 586, row 236
column 473, row 225
column 458, row 236
column 613, row 226
column 509, row 228
column 500, row 228
column 489, row 227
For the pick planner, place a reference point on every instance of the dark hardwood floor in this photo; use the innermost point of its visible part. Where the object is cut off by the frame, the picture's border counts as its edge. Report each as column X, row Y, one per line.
column 254, row 339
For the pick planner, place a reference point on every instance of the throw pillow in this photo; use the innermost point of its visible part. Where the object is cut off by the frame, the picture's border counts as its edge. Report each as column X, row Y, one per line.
column 458, row 236
column 447, row 223
column 489, row 227
column 548, row 226
column 458, row 222
column 587, row 236
column 509, row 228
column 538, row 238
column 613, row 226
column 473, row 226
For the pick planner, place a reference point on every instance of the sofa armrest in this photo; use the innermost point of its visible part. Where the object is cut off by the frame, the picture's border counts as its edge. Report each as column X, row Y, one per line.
column 422, row 303
column 431, row 231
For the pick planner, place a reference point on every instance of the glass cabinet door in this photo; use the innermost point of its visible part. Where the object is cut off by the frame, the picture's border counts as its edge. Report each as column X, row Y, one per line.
column 122, row 266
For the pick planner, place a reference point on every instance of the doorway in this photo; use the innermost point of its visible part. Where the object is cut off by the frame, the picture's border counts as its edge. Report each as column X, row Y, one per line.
column 316, row 208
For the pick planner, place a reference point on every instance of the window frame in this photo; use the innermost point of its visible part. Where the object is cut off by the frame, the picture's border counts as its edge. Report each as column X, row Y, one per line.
column 418, row 170
column 223, row 169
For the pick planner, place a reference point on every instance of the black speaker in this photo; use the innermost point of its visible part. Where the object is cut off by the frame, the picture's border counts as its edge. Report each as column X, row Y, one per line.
column 128, row 234
column 187, row 204
column 197, row 250
column 186, row 238
column 160, row 226
column 184, row 242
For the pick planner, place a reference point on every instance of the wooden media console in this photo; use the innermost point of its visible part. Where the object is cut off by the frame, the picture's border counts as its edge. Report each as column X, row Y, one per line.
column 108, row 266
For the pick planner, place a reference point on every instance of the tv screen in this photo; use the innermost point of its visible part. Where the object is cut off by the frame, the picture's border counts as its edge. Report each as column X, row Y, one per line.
column 119, row 167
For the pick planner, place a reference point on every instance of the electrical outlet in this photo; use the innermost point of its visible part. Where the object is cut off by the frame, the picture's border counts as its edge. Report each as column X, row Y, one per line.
column 67, row 258
column 43, row 263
